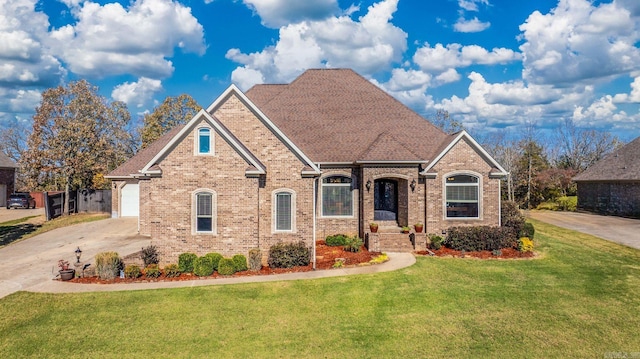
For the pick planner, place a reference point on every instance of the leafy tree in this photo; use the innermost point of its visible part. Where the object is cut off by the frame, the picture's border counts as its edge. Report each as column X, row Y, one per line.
column 172, row 112
column 13, row 142
column 77, row 138
column 528, row 188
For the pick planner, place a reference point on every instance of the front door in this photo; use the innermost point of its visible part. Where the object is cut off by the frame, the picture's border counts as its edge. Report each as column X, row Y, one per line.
column 385, row 200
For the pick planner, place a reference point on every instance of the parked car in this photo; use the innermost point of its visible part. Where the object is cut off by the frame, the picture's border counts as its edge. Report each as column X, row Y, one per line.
column 21, row 200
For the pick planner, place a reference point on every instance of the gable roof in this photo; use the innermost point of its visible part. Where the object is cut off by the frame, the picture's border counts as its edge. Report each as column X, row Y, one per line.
column 621, row 165
column 451, row 141
column 6, row 162
column 335, row 115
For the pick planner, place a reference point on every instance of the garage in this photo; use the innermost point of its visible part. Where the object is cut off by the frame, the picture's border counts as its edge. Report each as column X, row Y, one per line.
column 130, row 200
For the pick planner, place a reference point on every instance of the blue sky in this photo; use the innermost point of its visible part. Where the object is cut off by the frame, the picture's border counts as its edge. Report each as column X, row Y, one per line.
column 492, row 64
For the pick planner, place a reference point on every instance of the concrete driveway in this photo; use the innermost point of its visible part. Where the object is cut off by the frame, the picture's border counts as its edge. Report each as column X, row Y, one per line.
column 32, row 263
column 616, row 229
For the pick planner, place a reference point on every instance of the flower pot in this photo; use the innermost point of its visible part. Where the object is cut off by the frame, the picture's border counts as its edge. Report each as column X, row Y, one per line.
column 67, row 274
column 373, row 229
column 419, row 228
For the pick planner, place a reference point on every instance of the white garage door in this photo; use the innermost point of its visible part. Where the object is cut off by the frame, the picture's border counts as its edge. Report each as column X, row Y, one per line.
column 130, row 206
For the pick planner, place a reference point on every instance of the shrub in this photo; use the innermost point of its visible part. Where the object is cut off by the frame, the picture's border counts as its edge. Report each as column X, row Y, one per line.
column 337, row 240
column 132, row 271
column 568, row 203
column 152, row 271
column 108, row 265
column 203, row 266
column 380, row 259
column 353, row 244
column 171, row 270
column 215, row 259
column 185, row 262
column 435, row 241
column 528, row 231
column 240, row 262
column 525, row 244
column 149, row 255
column 287, row 255
column 511, row 217
column 255, row 259
column 226, row 266
column 479, row 238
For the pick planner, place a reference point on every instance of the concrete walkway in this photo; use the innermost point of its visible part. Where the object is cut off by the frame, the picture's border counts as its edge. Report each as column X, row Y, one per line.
column 396, row 261
column 625, row 231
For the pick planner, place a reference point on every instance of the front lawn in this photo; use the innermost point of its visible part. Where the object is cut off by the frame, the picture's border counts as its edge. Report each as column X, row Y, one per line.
column 579, row 298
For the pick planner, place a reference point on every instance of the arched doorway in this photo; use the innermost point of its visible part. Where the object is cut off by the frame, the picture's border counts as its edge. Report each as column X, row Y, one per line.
column 385, row 200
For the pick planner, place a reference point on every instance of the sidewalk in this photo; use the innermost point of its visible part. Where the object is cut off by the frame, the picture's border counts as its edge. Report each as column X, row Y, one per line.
column 396, row 261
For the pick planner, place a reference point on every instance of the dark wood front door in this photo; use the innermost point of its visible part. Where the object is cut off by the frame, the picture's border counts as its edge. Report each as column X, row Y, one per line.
column 386, row 200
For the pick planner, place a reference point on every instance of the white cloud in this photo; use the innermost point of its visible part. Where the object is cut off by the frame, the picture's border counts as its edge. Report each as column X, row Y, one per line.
column 471, row 5
column 579, row 41
column 473, row 25
column 277, row 13
column 440, row 58
column 110, row 40
column 24, row 59
column 368, row 46
column 137, row 93
column 633, row 97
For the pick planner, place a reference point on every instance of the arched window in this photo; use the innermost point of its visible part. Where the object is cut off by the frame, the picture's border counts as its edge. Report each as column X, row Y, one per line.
column 204, row 141
column 337, row 199
column 284, row 209
column 204, row 212
column 462, row 196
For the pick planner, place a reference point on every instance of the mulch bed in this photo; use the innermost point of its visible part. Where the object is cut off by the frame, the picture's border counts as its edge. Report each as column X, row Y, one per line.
column 325, row 258
column 507, row 253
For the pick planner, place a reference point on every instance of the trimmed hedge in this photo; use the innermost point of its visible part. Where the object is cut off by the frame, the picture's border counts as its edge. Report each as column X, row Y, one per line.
column 511, row 217
column 215, row 259
column 480, row 238
column 528, row 231
column 240, row 262
column 152, row 271
column 203, row 266
column 337, row 240
column 132, row 271
column 185, row 262
column 287, row 255
column 255, row 259
column 226, row 266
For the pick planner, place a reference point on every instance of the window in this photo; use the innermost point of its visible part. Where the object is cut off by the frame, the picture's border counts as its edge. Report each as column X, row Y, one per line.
column 462, row 196
column 204, row 141
column 337, row 199
column 204, row 220
column 283, row 216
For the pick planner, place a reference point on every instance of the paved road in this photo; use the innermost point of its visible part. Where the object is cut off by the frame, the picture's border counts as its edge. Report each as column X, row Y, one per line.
column 11, row 214
column 616, row 229
column 32, row 263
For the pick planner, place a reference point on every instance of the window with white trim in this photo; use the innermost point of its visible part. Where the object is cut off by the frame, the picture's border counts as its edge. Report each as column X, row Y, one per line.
column 337, row 199
column 462, row 196
column 204, row 141
column 204, row 212
column 284, row 210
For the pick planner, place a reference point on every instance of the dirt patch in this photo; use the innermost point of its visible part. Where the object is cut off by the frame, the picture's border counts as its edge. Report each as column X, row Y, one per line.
column 506, row 253
column 326, row 257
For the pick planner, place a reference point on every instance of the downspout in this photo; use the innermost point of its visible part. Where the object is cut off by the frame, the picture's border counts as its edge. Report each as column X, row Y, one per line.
column 315, row 196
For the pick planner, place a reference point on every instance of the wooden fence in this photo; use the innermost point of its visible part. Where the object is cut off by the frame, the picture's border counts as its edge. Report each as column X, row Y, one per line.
column 80, row 201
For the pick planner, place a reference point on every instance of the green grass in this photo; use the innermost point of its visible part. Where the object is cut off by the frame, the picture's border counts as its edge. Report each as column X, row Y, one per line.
column 17, row 230
column 579, row 298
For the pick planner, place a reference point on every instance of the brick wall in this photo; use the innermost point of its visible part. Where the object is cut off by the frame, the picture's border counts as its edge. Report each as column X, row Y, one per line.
column 7, row 177
column 462, row 158
column 611, row 198
column 244, row 205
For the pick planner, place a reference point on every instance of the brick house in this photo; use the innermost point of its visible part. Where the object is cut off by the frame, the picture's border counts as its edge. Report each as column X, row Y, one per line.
column 612, row 185
column 326, row 154
column 7, row 178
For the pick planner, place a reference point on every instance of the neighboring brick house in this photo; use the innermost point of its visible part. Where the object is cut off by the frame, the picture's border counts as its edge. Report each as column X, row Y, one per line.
column 7, row 178
column 326, row 154
column 612, row 185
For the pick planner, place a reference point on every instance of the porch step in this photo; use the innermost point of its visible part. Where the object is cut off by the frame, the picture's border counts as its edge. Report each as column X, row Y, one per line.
column 395, row 242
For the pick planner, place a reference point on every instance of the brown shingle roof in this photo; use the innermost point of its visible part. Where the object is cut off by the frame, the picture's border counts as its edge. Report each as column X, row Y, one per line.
column 142, row 158
column 335, row 115
column 6, row 162
column 621, row 165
